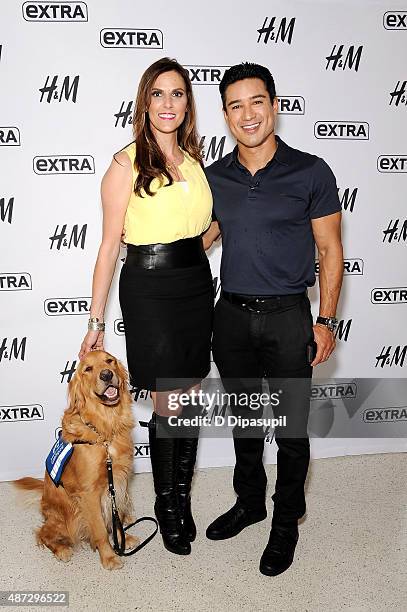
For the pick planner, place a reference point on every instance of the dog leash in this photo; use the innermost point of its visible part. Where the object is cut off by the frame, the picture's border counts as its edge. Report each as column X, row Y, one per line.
column 117, row 525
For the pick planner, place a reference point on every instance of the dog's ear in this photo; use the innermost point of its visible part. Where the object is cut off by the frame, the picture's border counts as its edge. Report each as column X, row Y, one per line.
column 75, row 395
column 123, row 375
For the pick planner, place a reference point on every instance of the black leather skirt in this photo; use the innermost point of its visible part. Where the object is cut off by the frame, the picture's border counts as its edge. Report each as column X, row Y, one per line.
column 166, row 298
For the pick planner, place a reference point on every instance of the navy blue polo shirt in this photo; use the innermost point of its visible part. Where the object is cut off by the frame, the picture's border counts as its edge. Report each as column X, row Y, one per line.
column 265, row 220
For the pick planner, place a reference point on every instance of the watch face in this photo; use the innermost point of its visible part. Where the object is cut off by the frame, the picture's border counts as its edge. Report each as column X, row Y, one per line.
column 332, row 323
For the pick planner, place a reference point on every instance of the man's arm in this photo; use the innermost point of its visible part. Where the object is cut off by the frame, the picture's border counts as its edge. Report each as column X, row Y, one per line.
column 211, row 234
column 327, row 235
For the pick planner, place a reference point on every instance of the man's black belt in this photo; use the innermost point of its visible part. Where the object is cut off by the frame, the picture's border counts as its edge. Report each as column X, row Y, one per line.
column 259, row 303
column 179, row 254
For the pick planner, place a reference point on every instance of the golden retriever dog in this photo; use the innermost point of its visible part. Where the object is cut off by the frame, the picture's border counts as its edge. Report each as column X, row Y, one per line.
column 99, row 412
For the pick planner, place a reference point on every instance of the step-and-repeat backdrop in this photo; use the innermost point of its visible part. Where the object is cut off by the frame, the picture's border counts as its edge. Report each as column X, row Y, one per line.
column 68, row 77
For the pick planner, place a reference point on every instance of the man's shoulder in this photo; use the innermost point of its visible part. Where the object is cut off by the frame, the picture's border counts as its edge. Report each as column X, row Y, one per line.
column 218, row 166
column 304, row 158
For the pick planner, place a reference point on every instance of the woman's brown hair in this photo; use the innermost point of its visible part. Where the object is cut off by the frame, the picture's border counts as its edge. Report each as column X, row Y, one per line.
column 150, row 161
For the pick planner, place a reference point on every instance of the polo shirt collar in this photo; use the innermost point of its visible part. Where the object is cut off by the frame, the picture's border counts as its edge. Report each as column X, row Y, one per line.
column 282, row 155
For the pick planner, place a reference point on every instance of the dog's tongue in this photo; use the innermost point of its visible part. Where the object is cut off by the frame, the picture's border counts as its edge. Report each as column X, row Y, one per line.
column 111, row 392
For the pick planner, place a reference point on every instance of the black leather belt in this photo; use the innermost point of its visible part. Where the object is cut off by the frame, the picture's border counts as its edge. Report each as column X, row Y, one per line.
column 179, row 254
column 261, row 303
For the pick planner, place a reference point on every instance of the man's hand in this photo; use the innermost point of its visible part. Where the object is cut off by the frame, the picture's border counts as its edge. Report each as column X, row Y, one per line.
column 325, row 340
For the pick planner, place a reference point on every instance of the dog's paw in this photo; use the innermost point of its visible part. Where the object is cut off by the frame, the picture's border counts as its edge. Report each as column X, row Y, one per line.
column 131, row 541
column 112, row 562
column 64, row 554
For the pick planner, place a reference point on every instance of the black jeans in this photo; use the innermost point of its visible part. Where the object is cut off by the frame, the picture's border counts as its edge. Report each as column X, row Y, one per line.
column 247, row 346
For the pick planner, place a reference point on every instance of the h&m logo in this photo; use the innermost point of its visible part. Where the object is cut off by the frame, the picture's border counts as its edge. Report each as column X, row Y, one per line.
column 394, row 232
column 343, row 329
column 389, row 295
column 139, row 393
column 13, row 350
column 395, row 20
column 348, row 199
column 68, row 90
column 68, row 164
column 68, row 372
column 214, row 150
column 206, row 75
column 392, row 163
column 16, row 281
column 9, row 137
column 67, row 306
column 276, row 31
column 27, row 412
column 122, row 38
column 344, row 130
column 291, row 105
column 125, row 114
column 6, row 211
column 351, row 60
column 55, row 11
column 77, row 238
column 350, row 266
column 398, row 95
column 391, row 357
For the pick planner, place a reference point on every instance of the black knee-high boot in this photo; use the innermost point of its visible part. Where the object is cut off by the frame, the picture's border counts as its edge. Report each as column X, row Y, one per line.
column 186, row 463
column 163, row 453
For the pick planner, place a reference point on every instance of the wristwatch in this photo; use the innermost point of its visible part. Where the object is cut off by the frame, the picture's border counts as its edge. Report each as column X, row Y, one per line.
column 330, row 322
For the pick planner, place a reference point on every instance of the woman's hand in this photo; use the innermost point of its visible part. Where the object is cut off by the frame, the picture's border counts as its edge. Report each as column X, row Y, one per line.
column 93, row 341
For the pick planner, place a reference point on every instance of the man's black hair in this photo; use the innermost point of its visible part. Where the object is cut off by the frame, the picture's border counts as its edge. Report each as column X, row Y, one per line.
column 247, row 70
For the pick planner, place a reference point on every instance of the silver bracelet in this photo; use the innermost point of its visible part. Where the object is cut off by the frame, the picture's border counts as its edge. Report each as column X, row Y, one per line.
column 95, row 325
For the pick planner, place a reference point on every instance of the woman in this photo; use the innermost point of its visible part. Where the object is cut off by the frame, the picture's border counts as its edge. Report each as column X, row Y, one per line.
column 156, row 190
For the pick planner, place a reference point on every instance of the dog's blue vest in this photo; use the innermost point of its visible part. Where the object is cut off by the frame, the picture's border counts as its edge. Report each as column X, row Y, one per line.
column 57, row 459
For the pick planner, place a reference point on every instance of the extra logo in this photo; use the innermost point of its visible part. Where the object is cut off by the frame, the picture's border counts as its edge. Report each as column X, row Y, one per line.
column 344, row 130
column 6, row 209
column 142, row 451
column 391, row 356
column 398, row 95
column 76, row 238
column 396, row 231
column 385, row 415
column 350, row 266
column 9, row 137
column 55, row 307
column 68, row 371
column 25, row 412
column 395, row 20
column 68, row 91
column 15, row 281
column 122, row 38
column 344, row 390
column 348, row 198
column 13, row 349
column 119, row 327
column 214, row 150
column 341, row 59
column 291, row 105
column 275, row 30
column 206, row 75
column 55, row 11
column 343, row 329
column 392, row 163
column 389, row 295
column 64, row 164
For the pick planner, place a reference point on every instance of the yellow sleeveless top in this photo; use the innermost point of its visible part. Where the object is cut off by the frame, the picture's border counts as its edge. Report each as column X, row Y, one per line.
column 182, row 210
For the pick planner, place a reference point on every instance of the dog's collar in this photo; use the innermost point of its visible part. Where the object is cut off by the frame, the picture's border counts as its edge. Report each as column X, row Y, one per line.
column 93, row 428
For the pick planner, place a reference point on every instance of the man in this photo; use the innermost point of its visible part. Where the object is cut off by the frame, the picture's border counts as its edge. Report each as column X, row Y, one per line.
column 273, row 203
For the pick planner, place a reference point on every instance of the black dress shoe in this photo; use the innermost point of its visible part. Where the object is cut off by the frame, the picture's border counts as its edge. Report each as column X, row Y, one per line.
column 279, row 552
column 234, row 521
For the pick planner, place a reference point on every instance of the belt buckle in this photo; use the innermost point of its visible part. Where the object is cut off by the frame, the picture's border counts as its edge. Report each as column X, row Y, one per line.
column 255, row 301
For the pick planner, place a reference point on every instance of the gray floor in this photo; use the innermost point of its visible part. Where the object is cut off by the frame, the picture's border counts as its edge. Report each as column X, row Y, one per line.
column 351, row 555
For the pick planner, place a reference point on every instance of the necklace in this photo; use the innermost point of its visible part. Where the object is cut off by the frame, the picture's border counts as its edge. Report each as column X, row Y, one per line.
column 172, row 166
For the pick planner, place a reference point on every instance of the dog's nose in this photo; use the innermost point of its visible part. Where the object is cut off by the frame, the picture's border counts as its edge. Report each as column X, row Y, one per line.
column 106, row 375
